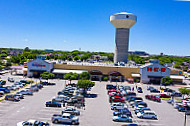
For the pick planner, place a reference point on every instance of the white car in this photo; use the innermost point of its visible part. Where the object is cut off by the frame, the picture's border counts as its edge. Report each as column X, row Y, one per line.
column 118, row 106
column 147, row 115
column 139, row 107
column 32, row 123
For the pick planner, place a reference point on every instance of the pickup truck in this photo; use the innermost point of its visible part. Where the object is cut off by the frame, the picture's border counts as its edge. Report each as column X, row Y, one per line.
column 65, row 118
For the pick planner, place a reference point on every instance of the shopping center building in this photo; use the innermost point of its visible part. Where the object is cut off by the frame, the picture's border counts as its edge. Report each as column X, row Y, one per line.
column 149, row 73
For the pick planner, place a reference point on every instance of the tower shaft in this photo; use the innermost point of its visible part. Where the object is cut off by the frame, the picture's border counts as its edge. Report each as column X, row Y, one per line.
column 121, row 45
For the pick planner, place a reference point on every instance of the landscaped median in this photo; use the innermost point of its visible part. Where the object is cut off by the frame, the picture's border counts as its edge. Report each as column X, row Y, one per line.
column 177, row 99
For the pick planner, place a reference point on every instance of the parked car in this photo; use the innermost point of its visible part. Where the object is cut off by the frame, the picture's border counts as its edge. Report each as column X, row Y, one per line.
column 60, row 99
column 168, row 90
column 110, row 86
column 140, row 103
column 11, row 98
column 139, row 89
column 5, row 90
column 165, row 96
column 10, row 79
column 147, row 115
column 153, row 90
column 65, row 118
column 170, row 101
column 25, row 81
column 131, row 125
column 149, row 88
column 118, row 106
column 122, row 118
column 52, row 104
column 71, row 111
column 116, row 99
column 141, row 109
column 176, row 94
column 122, row 112
column 130, row 94
column 32, row 123
column 26, row 92
column 2, row 82
column 2, row 93
column 20, row 96
column 153, row 97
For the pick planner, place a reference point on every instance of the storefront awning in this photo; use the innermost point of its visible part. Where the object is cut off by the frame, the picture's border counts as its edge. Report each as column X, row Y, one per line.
column 177, row 77
column 63, row 71
column 37, row 70
column 137, row 75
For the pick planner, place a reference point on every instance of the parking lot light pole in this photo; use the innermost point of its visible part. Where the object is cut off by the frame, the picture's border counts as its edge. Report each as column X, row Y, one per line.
column 185, row 118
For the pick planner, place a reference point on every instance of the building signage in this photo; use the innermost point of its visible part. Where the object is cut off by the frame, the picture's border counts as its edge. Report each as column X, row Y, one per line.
column 156, row 69
column 38, row 65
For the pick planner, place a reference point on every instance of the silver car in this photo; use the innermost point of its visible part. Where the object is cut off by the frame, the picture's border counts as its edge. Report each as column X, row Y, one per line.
column 147, row 115
column 65, row 118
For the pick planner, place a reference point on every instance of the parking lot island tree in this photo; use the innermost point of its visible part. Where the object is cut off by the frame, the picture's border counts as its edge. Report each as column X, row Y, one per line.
column 85, row 85
column 166, row 81
column 85, row 76
column 47, row 75
column 184, row 91
column 71, row 76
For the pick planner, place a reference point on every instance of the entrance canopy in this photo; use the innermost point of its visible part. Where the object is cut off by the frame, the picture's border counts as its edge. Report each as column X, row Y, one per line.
column 95, row 72
column 115, row 73
column 177, row 77
column 63, row 71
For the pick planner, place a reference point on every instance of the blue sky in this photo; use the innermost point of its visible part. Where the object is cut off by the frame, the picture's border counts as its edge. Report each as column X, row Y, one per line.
column 162, row 25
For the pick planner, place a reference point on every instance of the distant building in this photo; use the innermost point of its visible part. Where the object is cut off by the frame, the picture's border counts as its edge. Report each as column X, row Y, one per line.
column 15, row 52
column 138, row 53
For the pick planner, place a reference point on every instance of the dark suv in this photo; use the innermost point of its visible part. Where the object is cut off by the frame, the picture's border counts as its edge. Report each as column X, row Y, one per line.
column 11, row 98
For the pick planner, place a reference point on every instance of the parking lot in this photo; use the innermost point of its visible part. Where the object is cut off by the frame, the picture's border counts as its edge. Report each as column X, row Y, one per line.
column 97, row 110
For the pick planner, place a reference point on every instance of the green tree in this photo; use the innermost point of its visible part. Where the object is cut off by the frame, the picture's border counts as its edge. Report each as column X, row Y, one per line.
column 27, row 49
column 4, row 51
column 3, row 56
column 62, row 57
column 76, row 58
column 85, row 85
column 47, row 75
column 166, row 81
column 48, row 57
column 8, row 63
column 184, row 91
column 70, row 59
column 71, row 76
column 1, row 67
column 85, row 76
column 105, row 78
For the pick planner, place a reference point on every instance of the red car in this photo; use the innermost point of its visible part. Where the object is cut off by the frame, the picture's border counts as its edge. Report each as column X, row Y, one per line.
column 116, row 99
column 165, row 96
column 153, row 98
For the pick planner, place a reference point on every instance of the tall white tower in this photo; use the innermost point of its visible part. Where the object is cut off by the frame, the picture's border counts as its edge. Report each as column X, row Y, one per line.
column 122, row 22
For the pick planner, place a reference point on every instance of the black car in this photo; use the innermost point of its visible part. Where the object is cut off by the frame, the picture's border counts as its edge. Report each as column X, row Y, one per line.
column 168, row 90
column 53, row 104
column 153, row 90
column 139, row 89
column 5, row 90
column 109, row 86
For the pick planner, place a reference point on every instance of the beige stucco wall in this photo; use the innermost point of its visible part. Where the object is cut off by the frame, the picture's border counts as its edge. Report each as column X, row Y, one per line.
column 125, row 71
